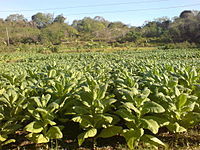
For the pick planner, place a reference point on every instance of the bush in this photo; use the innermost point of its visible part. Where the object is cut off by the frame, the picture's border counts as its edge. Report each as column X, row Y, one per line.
column 179, row 45
column 54, row 48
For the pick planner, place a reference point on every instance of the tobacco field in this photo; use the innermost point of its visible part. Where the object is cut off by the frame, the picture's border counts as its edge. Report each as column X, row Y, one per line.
column 135, row 95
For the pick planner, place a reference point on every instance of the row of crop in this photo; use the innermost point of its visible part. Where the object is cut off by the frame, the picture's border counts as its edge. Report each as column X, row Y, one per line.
column 161, row 55
column 104, row 100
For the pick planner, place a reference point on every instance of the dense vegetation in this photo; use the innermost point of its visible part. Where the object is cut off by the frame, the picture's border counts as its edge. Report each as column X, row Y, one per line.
column 89, row 96
column 98, row 32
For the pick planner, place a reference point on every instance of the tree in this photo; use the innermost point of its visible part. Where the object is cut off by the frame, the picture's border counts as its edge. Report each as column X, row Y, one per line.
column 131, row 36
column 88, row 24
column 60, row 19
column 151, row 29
column 1, row 20
column 186, row 27
column 198, row 16
column 102, row 20
column 15, row 18
column 117, row 25
column 54, row 33
column 187, row 14
column 118, row 30
column 163, row 22
column 42, row 20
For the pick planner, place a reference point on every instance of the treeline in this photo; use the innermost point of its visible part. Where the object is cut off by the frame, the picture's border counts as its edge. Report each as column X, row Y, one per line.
column 44, row 28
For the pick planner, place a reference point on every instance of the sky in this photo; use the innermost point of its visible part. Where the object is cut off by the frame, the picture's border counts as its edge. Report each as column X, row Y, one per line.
column 130, row 12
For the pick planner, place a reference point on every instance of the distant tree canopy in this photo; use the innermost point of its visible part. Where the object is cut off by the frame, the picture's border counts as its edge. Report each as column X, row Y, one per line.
column 118, row 24
column 186, row 27
column 42, row 20
column 60, row 19
column 187, row 14
column 88, row 24
column 55, row 32
column 44, row 27
column 16, row 18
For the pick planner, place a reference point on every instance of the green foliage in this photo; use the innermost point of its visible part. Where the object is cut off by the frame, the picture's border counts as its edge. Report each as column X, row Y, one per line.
column 180, row 32
column 19, row 32
column 179, row 45
column 138, row 111
column 59, row 19
column 125, row 93
column 43, row 128
column 42, row 20
column 131, row 36
column 88, row 25
column 56, row 32
column 53, row 33
column 16, row 18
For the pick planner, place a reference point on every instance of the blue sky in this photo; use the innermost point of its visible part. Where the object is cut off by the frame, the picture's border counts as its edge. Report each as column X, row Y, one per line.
column 136, row 18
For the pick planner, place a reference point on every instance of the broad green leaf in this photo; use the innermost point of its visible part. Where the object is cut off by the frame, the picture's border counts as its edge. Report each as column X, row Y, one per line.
column 188, row 107
column 81, row 139
column 110, row 131
column 12, row 128
column 165, row 90
column 190, row 119
column 2, row 91
column 133, row 136
column 193, row 72
column 99, row 107
column 14, row 96
column 42, row 111
column 45, row 99
column 52, row 73
column 86, row 104
column 134, row 91
column 90, row 133
column 177, row 92
column 150, row 124
column 108, row 119
column 162, row 121
column 8, row 142
column 173, row 82
column 49, row 90
column 77, row 119
column 182, row 99
column 37, row 101
column 53, row 106
column 152, row 140
column 81, row 110
column 6, row 101
column 126, row 115
column 54, row 133
column 152, row 107
column 94, row 94
column 108, row 102
column 175, row 127
column 87, row 96
column 6, row 97
column 37, row 138
column 3, row 137
column 128, row 94
column 23, row 85
column 102, row 91
column 34, row 127
column 1, row 116
column 84, row 121
column 129, row 105
column 47, row 121
column 146, row 92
